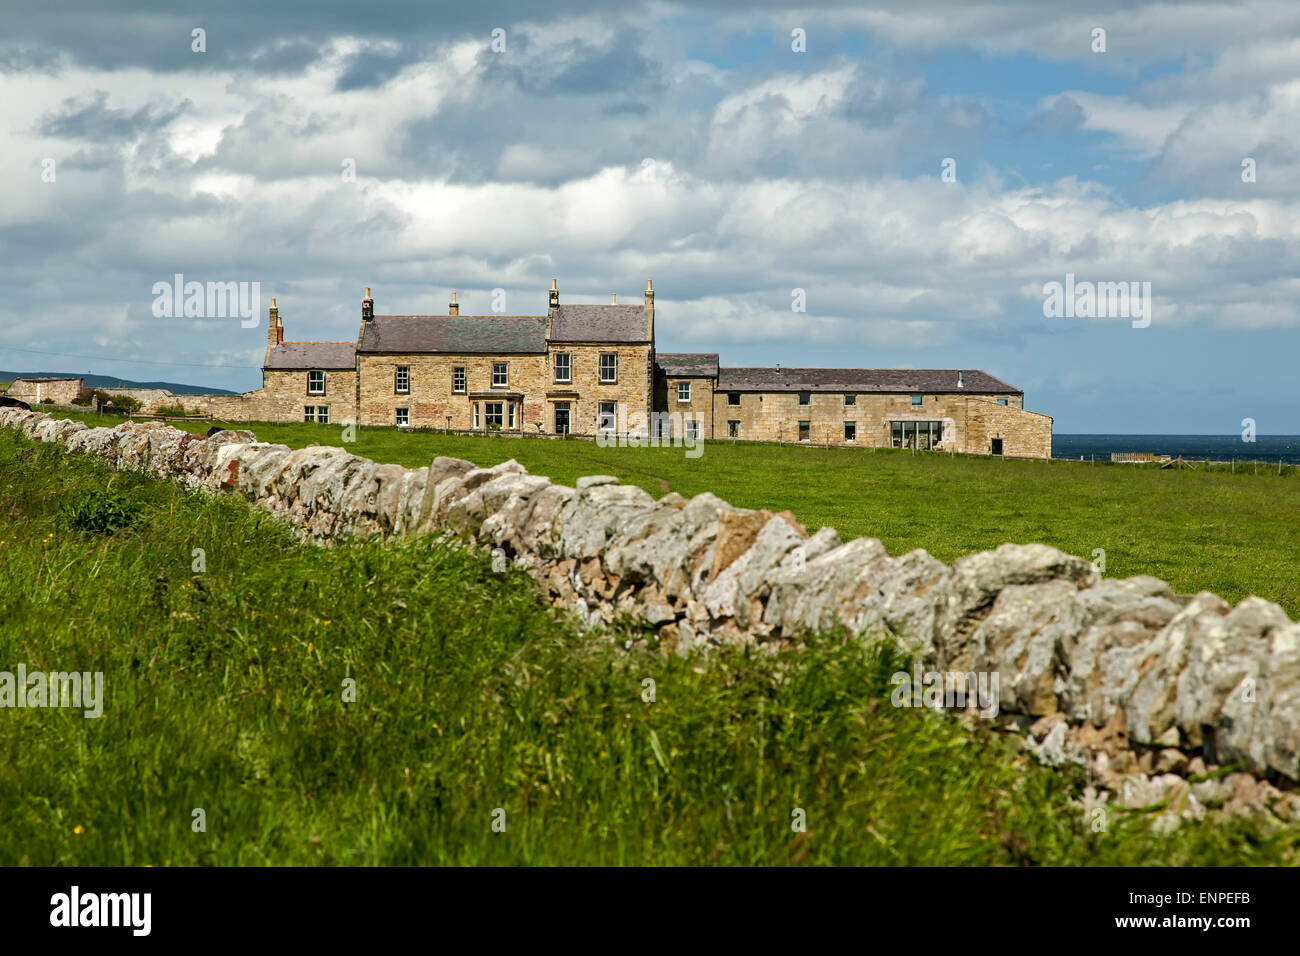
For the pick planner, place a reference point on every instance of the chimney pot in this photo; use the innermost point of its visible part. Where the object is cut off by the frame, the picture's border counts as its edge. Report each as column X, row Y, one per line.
column 555, row 296
column 367, row 306
column 613, row 298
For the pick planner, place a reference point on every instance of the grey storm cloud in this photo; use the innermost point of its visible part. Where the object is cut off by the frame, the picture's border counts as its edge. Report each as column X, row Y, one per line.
column 90, row 117
column 252, row 34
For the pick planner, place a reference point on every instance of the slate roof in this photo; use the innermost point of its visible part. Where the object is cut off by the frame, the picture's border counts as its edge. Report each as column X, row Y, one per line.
column 309, row 355
column 600, row 323
column 912, row 380
column 495, row 334
column 687, row 364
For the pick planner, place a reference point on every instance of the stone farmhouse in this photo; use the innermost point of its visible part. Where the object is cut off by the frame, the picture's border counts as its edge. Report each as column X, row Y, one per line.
column 578, row 369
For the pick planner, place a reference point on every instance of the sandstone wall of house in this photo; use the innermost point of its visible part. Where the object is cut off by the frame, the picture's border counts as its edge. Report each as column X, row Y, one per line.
column 530, row 384
column 971, row 420
column 632, row 392
column 1024, row 434
column 431, row 401
column 1145, row 686
column 700, row 405
column 283, row 397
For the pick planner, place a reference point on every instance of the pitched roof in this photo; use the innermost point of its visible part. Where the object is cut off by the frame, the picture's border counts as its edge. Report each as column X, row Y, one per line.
column 497, row 334
column 687, row 364
column 307, row 355
column 861, row 380
column 600, row 323
column 47, row 378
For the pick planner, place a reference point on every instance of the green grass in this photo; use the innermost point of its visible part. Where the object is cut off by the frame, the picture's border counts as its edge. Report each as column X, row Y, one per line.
column 223, row 692
column 1232, row 534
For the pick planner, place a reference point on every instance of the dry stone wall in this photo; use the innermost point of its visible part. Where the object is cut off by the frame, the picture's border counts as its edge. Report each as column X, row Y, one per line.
column 1145, row 687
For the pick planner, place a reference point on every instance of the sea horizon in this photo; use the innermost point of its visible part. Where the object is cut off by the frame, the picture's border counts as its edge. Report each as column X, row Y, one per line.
column 1101, row 445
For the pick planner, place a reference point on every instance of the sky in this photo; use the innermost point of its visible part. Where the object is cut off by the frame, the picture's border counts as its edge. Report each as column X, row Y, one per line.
column 921, row 171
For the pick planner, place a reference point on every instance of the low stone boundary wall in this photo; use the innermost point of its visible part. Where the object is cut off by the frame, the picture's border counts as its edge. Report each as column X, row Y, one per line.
column 1147, row 688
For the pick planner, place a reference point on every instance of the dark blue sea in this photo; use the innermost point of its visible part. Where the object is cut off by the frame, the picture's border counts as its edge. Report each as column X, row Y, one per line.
column 1215, row 447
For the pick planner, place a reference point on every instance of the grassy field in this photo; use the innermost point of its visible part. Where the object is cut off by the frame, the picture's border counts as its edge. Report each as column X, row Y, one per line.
column 1234, row 534
column 224, row 691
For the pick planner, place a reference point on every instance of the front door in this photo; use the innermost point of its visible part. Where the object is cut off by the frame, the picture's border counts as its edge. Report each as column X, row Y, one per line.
column 561, row 418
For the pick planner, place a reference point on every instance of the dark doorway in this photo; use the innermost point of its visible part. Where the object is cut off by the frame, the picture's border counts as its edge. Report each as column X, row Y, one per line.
column 995, row 446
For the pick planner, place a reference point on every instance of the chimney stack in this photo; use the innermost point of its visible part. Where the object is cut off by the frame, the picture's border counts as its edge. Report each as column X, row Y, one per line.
column 274, row 331
column 367, row 306
column 650, row 308
column 452, row 307
column 555, row 296
column 613, row 298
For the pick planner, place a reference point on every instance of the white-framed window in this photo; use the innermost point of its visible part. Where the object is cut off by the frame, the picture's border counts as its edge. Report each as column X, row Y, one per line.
column 309, row 413
column 494, row 414
column 323, row 414
column 608, row 367
column 458, row 380
column 476, row 414
column 315, row 382
column 692, row 428
column 563, row 367
column 733, row 429
column 607, row 420
column 403, row 417
column 498, row 374
column 683, row 391
column 402, row 380
column 850, row 431
column 511, row 408
column 919, row 435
